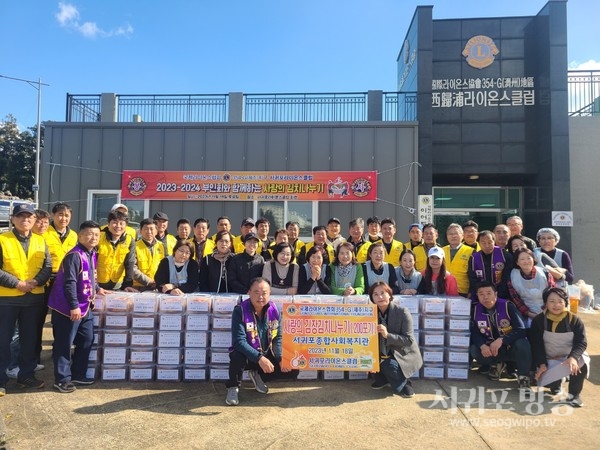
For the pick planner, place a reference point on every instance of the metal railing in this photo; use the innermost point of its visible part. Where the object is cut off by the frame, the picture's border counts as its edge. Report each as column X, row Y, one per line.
column 299, row 107
column 584, row 92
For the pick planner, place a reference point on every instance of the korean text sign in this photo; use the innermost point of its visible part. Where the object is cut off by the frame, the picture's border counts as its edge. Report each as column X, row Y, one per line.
column 330, row 336
column 253, row 186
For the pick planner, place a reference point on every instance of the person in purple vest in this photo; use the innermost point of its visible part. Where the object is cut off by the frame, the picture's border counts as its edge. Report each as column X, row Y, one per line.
column 491, row 263
column 256, row 342
column 498, row 335
column 71, row 302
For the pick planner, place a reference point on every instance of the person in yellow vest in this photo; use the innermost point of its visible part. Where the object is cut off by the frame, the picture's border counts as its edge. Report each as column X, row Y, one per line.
column 223, row 224
column 149, row 252
column 393, row 248
column 319, row 238
column 238, row 243
column 415, row 236
column 430, row 237
column 25, row 267
column 293, row 231
column 42, row 221
column 279, row 237
column 161, row 220
column 356, row 228
column 203, row 246
column 116, row 255
column 470, row 233
column 457, row 255
column 128, row 230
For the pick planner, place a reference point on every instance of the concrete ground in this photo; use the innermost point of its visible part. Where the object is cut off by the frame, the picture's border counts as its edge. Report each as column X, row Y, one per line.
column 302, row 414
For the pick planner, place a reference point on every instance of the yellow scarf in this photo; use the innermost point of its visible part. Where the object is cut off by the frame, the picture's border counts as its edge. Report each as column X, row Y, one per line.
column 556, row 319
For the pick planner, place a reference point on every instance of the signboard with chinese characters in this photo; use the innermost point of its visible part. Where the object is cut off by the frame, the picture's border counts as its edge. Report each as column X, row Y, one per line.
column 330, row 336
column 253, row 186
column 482, row 92
column 425, row 208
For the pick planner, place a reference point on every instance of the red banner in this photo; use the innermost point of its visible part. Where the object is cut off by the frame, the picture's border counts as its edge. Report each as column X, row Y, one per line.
column 249, row 186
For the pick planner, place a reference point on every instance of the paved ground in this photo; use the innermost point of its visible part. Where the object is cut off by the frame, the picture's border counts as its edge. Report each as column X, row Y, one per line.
column 306, row 414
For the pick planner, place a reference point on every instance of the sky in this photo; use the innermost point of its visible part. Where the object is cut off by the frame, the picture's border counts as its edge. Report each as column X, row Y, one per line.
column 216, row 47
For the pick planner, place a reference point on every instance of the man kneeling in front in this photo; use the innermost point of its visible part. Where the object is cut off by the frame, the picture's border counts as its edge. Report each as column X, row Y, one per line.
column 256, row 342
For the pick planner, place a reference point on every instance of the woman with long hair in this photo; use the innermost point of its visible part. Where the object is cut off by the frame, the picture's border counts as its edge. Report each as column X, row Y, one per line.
column 407, row 275
column 213, row 268
column 282, row 272
column 177, row 274
column 436, row 280
column 347, row 275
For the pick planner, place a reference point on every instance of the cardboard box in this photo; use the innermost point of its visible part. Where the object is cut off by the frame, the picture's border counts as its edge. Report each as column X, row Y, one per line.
column 98, row 320
column 352, row 375
column 98, row 337
column 433, row 305
column 194, row 356
column 141, row 356
column 196, row 322
column 457, row 372
column 114, row 355
column 141, row 373
column 168, row 373
column 117, row 302
column 116, row 320
column 92, row 372
column 172, row 304
column 99, row 304
column 142, row 338
column 435, row 372
column 410, row 302
column 94, row 354
column 458, row 356
column 196, row 339
column 168, row 356
column 220, row 339
column 219, row 357
column 224, row 304
column 145, row 303
column 433, row 355
column 458, row 323
column 219, row 373
column 170, row 322
column 221, row 322
column 308, row 375
column 458, row 340
column 458, row 306
column 194, row 373
column 433, row 323
column 143, row 321
column 432, row 338
column 199, row 303
column 333, row 374
column 169, row 339
column 114, row 373
column 116, row 338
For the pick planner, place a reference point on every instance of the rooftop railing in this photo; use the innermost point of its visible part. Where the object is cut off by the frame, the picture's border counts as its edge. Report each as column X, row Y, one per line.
column 584, row 92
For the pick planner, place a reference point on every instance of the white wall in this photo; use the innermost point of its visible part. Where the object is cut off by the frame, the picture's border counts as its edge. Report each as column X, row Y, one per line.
column 584, row 144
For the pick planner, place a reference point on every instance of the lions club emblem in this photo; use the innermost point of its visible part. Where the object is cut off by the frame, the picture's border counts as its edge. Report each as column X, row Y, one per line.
column 480, row 51
column 137, row 186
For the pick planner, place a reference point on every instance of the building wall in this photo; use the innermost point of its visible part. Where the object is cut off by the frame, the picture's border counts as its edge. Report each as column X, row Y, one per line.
column 80, row 157
column 584, row 135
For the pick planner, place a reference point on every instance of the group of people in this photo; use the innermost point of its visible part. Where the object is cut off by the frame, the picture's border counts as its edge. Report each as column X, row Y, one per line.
column 43, row 263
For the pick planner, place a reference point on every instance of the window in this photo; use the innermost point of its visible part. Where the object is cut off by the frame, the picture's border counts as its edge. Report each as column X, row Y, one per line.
column 100, row 202
column 279, row 213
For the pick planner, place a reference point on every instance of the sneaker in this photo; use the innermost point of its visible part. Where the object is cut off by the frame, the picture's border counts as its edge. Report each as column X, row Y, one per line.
column 66, row 387
column 484, row 369
column 12, row 373
column 407, row 391
column 31, row 382
column 83, row 381
column 380, row 384
column 259, row 384
column 556, row 390
column 232, row 398
column 524, row 384
column 39, row 367
column 496, row 371
column 575, row 401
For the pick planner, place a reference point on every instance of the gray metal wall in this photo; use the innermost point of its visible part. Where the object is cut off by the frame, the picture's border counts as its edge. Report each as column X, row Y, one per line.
column 79, row 157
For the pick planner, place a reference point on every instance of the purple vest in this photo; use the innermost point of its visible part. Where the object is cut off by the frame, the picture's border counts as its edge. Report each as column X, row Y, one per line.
column 252, row 333
column 484, row 324
column 85, row 285
column 498, row 263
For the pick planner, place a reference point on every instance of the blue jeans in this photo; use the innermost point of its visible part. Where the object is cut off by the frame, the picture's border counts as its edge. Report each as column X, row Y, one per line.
column 28, row 318
column 66, row 333
column 518, row 352
column 391, row 371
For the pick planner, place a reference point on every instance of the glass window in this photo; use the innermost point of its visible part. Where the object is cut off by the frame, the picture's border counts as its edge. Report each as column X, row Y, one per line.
column 279, row 213
column 100, row 202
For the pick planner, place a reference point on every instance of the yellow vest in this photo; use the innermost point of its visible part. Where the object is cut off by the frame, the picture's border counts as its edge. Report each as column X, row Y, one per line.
column 459, row 266
column 111, row 260
column 363, row 252
column 59, row 249
column 393, row 257
column 209, row 247
column 147, row 262
column 24, row 267
column 129, row 231
column 171, row 241
column 420, row 257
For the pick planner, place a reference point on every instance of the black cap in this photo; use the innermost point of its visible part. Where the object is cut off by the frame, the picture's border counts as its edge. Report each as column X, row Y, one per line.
column 248, row 221
column 160, row 216
column 334, row 219
column 19, row 208
column 251, row 236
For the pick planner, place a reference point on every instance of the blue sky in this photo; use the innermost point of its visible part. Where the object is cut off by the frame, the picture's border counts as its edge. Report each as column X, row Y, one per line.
column 214, row 47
